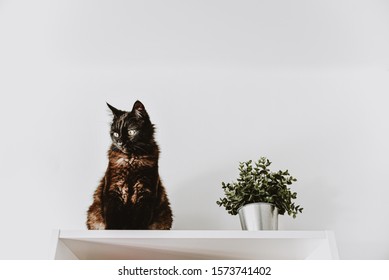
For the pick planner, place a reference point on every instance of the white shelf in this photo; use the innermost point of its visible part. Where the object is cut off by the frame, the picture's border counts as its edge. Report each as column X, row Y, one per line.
column 192, row 244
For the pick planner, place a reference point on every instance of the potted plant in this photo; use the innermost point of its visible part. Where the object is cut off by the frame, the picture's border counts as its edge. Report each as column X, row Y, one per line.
column 259, row 195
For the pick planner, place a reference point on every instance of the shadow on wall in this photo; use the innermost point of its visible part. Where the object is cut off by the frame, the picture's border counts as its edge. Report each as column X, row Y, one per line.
column 194, row 203
column 318, row 198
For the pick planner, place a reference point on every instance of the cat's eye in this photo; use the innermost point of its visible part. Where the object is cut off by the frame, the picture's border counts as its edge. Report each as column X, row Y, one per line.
column 131, row 132
column 115, row 134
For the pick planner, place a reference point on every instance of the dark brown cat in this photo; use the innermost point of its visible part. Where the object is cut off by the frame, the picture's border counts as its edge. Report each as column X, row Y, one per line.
column 131, row 195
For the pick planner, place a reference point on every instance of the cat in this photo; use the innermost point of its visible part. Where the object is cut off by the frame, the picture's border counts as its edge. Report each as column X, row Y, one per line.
column 131, row 194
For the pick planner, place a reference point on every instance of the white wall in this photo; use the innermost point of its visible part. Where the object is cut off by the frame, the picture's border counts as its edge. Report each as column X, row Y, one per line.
column 302, row 82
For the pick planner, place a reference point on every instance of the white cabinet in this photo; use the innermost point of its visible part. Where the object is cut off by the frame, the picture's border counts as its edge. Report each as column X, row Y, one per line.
column 193, row 244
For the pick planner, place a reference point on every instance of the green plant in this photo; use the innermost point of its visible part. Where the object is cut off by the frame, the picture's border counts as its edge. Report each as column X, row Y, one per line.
column 258, row 184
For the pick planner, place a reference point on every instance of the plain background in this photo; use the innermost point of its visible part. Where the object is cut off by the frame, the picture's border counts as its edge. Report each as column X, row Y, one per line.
column 304, row 83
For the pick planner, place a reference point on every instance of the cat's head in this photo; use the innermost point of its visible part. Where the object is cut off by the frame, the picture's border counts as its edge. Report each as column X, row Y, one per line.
column 131, row 131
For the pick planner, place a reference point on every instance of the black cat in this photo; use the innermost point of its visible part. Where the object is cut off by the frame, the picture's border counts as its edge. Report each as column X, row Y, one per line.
column 131, row 194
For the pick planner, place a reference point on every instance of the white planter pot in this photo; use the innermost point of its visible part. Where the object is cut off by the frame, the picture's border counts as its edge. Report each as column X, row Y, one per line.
column 258, row 216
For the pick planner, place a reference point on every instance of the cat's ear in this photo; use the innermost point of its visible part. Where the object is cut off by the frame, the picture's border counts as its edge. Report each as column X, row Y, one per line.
column 115, row 112
column 139, row 109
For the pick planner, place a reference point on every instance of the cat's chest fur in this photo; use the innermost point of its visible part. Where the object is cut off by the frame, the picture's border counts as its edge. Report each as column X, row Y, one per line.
column 126, row 175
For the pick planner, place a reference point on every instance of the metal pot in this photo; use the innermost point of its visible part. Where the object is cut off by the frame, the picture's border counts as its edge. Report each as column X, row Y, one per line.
column 258, row 216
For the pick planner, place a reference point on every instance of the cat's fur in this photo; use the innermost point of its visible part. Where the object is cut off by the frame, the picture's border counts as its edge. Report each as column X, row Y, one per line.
column 131, row 194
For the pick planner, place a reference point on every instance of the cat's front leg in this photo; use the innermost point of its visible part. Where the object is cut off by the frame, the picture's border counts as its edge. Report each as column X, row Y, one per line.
column 143, row 199
column 115, row 212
